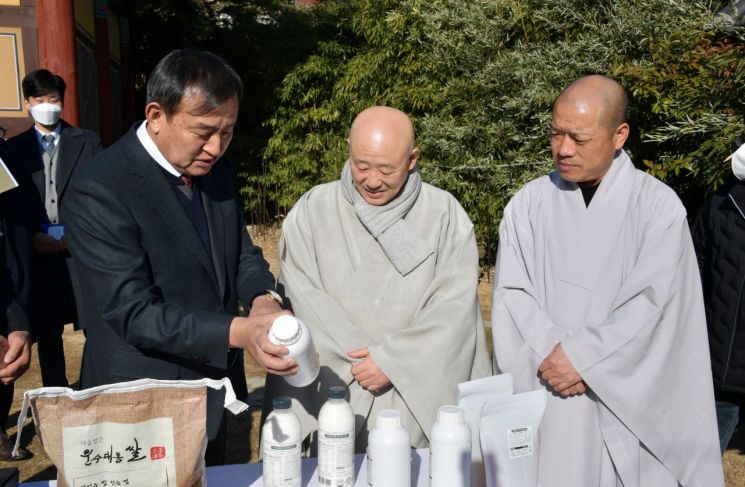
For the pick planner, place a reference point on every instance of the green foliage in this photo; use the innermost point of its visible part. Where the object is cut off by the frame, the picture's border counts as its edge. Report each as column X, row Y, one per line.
column 261, row 39
column 689, row 107
column 376, row 41
column 478, row 78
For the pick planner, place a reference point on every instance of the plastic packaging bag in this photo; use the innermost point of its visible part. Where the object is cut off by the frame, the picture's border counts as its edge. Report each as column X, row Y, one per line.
column 510, row 439
column 472, row 397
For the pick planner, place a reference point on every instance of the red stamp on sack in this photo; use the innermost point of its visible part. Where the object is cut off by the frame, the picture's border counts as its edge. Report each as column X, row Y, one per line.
column 157, row 452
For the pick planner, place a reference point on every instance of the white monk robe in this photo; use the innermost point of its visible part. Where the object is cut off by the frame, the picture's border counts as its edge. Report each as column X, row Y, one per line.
column 618, row 285
column 424, row 330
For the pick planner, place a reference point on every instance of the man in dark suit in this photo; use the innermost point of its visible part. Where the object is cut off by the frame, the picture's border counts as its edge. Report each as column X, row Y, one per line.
column 160, row 245
column 15, row 342
column 44, row 159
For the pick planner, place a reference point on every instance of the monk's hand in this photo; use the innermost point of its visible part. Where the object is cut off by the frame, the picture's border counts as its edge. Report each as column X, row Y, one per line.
column 575, row 390
column 16, row 355
column 559, row 373
column 264, row 305
column 366, row 372
column 251, row 334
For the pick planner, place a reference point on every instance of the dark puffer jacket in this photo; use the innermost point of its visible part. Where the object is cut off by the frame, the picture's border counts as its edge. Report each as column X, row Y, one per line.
column 719, row 238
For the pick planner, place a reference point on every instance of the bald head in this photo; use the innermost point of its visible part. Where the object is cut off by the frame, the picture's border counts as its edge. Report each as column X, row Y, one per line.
column 588, row 128
column 381, row 153
column 599, row 94
column 382, row 125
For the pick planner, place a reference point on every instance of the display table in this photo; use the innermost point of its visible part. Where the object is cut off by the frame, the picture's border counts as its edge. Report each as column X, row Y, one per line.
column 249, row 474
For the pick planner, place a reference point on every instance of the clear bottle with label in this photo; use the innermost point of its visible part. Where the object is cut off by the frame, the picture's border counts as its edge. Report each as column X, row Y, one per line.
column 389, row 452
column 294, row 334
column 280, row 444
column 336, row 440
column 450, row 449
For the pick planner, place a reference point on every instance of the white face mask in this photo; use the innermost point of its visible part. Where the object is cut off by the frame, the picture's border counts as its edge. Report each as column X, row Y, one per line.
column 46, row 113
column 738, row 163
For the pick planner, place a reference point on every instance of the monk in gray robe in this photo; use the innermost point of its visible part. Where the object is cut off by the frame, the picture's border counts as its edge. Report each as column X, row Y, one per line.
column 597, row 297
column 384, row 268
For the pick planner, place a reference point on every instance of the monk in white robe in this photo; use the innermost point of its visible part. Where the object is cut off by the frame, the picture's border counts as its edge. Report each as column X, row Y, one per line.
column 384, row 269
column 597, row 298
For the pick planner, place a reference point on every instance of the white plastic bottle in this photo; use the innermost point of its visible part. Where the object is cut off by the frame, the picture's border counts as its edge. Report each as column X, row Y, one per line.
column 336, row 440
column 389, row 452
column 294, row 334
column 280, row 444
column 450, row 450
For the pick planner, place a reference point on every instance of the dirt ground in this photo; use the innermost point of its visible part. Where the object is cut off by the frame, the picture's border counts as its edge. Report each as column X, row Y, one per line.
column 243, row 428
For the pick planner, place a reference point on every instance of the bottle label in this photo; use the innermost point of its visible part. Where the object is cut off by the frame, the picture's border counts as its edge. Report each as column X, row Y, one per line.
column 336, row 458
column 281, row 464
column 520, row 442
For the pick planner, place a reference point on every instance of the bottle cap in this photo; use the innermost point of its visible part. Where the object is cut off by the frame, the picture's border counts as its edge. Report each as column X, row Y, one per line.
column 281, row 402
column 389, row 418
column 337, row 392
column 285, row 330
column 450, row 415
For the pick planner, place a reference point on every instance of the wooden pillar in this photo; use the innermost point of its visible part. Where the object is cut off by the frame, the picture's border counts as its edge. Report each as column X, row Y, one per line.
column 55, row 22
column 103, row 71
column 127, row 75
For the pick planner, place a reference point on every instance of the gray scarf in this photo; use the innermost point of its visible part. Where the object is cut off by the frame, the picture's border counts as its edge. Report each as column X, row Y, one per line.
column 401, row 244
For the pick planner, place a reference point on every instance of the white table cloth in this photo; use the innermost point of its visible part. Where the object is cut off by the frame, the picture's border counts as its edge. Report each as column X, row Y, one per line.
column 249, row 474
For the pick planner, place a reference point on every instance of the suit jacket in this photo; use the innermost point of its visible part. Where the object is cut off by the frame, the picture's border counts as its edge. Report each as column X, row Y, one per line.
column 12, row 314
column 154, row 302
column 51, row 293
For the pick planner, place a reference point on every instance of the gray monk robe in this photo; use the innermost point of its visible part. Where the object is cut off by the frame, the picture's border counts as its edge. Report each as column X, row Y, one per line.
column 617, row 284
column 423, row 329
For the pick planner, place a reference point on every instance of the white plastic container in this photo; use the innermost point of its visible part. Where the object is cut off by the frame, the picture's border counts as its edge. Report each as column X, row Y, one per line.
column 336, row 440
column 450, row 450
column 389, row 452
column 280, row 444
column 510, row 439
column 294, row 334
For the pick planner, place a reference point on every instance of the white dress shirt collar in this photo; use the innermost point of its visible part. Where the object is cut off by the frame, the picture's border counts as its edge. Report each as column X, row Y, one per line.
column 152, row 149
column 55, row 133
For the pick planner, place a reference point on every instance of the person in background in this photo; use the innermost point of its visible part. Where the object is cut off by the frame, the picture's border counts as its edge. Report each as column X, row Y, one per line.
column 15, row 341
column 719, row 239
column 44, row 159
column 597, row 298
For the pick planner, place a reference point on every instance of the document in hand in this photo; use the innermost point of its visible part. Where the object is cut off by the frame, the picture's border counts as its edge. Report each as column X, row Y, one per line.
column 7, row 181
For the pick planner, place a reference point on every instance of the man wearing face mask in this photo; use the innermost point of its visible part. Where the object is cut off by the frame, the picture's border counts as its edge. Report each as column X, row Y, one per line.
column 719, row 239
column 44, row 159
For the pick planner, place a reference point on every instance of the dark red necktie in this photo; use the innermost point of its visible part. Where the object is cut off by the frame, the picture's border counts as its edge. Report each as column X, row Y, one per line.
column 187, row 180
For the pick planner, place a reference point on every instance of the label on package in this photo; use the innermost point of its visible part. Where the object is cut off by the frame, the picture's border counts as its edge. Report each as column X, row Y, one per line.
column 119, row 454
column 520, row 442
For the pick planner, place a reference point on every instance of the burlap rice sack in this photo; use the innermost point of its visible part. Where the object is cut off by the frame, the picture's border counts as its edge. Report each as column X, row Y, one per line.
column 141, row 433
